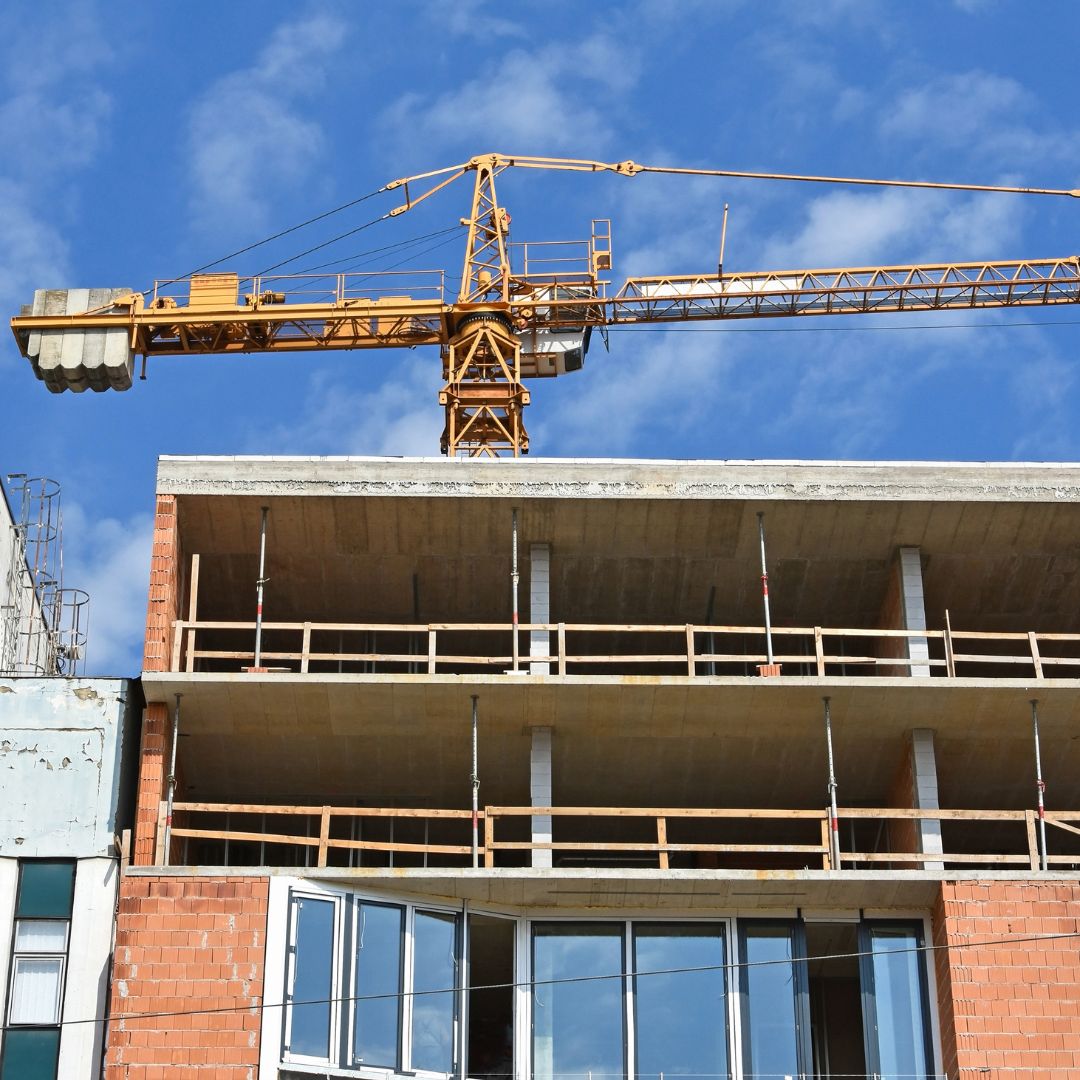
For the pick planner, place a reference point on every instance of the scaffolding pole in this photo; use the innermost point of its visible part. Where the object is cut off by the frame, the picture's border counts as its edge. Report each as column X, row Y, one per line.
column 834, row 817
column 1040, row 785
column 475, row 780
column 259, row 589
column 172, row 779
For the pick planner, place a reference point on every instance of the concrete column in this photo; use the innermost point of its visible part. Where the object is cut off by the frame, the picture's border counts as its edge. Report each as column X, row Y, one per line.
column 540, row 605
column 913, row 610
column 540, row 791
column 924, row 793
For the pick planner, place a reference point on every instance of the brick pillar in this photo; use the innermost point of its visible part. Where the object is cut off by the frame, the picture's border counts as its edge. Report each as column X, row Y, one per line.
column 540, row 605
column 540, row 792
column 193, row 951
column 163, row 606
column 151, row 781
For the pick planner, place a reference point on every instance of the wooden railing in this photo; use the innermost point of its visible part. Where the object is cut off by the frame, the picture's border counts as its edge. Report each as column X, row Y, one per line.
column 1013, row 840
column 685, row 649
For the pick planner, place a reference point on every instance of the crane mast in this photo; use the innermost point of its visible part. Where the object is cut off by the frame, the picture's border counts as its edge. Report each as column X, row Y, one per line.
column 508, row 323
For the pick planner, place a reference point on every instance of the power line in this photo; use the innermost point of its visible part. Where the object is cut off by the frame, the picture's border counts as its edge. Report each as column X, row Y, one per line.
column 531, row 984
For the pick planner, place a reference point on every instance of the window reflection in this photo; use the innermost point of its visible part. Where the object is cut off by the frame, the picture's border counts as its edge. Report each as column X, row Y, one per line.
column 770, row 1001
column 378, row 984
column 578, row 1026
column 434, row 981
column 898, row 1001
column 680, row 1019
column 313, row 979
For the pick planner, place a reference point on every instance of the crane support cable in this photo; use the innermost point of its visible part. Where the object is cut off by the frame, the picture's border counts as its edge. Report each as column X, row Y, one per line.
column 499, row 162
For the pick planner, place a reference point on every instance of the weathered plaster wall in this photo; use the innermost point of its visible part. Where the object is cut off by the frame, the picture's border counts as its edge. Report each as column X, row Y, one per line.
column 61, row 742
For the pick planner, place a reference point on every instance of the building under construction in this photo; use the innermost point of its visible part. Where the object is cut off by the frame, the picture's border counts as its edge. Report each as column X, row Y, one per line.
column 495, row 770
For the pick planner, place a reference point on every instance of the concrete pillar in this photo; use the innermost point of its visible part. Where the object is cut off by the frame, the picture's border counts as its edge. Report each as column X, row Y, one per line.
column 540, row 791
column 916, row 786
column 913, row 610
column 540, row 605
column 924, row 792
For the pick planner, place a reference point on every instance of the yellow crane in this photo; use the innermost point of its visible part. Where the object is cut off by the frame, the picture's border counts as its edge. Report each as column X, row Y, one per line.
column 523, row 311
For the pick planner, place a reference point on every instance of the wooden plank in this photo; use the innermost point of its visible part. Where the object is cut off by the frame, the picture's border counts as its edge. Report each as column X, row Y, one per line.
column 315, row 811
column 324, row 834
column 1035, row 659
column 652, row 811
column 305, row 649
column 1051, row 819
column 742, row 849
column 159, row 840
column 431, row 647
column 826, row 858
column 489, row 839
column 901, row 813
column 950, row 659
column 561, row 648
column 931, row 856
column 819, row 651
column 177, row 643
column 661, row 843
column 192, row 607
column 255, row 837
column 691, row 667
column 379, row 845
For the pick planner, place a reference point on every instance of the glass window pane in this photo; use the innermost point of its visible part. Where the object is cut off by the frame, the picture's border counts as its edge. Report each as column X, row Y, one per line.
column 35, row 990
column 378, row 983
column 680, row 1019
column 434, row 969
column 41, row 936
column 770, row 1032
column 898, row 998
column 30, row 1055
column 578, row 1026
column 46, row 888
column 314, row 978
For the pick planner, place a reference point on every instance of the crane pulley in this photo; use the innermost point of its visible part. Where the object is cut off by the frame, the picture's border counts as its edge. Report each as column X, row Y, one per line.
column 520, row 312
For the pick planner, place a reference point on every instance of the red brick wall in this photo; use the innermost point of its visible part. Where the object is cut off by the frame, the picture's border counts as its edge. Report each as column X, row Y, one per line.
column 163, row 605
column 1011, row 1009
column 185, row 944
column 152, row 769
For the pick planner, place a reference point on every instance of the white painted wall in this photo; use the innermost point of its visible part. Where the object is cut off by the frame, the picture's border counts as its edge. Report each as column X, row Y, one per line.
column 86, row 986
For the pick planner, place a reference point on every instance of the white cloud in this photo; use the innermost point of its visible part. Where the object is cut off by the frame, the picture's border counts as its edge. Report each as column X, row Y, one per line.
column 652, row 386
column 400, row 415
column 472, row 19
column 110, row 559
column 248, row 136
column 557, row 102
column 848, row 228
column 33, row 255
column 991, row 116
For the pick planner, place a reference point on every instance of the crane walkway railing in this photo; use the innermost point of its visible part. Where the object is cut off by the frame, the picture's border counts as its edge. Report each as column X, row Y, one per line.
column 588, row 649
column 664, row 838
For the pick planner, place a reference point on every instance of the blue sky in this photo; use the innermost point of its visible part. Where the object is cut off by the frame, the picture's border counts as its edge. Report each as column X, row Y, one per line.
column 145, row 140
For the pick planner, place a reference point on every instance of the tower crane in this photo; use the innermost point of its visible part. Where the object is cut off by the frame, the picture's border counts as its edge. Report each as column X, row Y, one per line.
column 523, row 311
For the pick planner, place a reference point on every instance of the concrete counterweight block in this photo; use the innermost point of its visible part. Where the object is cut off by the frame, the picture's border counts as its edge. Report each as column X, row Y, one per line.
column 75, row 359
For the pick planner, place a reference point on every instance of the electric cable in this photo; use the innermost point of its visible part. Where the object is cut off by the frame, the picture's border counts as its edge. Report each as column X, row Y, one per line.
column 531, row 984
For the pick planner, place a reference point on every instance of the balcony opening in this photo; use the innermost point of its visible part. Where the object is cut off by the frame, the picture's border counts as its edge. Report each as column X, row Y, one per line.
column 491, row 998
column 836, row 1019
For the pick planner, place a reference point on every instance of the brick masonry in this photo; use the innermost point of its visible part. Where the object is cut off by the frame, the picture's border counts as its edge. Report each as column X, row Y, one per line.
column 1009, row 1009
column 185, row 945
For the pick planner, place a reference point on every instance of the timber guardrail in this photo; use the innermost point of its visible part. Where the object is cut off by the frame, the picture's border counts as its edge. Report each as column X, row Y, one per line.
column 743, row 837
column 620, row 649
